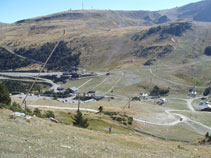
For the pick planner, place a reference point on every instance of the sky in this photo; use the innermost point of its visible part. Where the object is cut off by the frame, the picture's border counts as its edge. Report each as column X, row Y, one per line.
column 14, row 10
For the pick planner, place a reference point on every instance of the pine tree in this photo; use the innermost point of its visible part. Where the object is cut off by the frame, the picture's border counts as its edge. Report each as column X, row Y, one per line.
column 79, row 121
column 4, row 95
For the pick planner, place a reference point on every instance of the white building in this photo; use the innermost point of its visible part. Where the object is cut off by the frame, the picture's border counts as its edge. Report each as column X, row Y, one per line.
column 144, row 96
column 206, row 107
column 193, row 93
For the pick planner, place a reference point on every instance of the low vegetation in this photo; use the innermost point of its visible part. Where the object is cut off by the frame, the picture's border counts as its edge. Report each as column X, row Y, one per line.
column 207, row 91
column 56, row 95
column 4, row 95
column 22, row 87
column 157, row 91
column 206, row 140
column 62, row 59
column 10, row 61
column 122, row 118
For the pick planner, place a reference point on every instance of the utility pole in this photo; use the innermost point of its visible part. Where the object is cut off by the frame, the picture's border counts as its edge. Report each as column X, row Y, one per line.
column 82, row 4
column 79, row 101
column 25, row 108
column 129, row 103
column 151, row 80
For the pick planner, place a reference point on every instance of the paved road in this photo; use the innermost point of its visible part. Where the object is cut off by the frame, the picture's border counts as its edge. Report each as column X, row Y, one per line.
column 64, row 108
column 28, row 74
column 54, row 86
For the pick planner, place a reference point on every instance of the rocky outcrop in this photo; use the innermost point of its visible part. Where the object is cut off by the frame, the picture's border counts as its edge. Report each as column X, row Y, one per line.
column 175, row 29
column 155, row 51
column 163, row 19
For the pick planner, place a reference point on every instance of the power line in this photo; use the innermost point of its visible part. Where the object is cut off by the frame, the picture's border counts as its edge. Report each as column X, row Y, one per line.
column 82, row 4
column 41, row 69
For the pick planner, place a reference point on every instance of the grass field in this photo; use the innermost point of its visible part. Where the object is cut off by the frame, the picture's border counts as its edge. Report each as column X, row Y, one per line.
column 41, row 138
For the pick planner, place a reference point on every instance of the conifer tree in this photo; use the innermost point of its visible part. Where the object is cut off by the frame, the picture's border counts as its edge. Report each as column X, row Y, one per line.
column 79, row 121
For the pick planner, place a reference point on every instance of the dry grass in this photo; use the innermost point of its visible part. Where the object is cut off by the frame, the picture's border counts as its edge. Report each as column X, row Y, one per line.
column 41, row 138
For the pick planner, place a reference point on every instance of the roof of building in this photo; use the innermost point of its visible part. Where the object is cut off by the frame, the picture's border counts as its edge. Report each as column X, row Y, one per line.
column 98, row 97
column 91, row 91
column 193, row 92
column 74, row 89
column 144, row 95
column 206, row 106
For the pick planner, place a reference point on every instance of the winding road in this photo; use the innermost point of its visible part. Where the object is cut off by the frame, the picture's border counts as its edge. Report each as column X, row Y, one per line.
column 181, row 118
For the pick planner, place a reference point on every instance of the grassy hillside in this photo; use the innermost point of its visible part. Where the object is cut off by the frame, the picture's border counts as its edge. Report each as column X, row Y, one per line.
column 171, row 48
column 41, row 138
column 99, row 48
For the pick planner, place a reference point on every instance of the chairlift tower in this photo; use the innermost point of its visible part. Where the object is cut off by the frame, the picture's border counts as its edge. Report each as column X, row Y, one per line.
column 79, row 97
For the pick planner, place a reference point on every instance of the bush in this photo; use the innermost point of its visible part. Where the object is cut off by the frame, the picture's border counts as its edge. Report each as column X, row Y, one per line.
column 37, row 112
column 119, row 119
column 16, row 107
column 110, row 113
column 79, row 121
column 130, row 120
column 4, row 95
column 2, row 106
column 49, row 114
column 156, row 91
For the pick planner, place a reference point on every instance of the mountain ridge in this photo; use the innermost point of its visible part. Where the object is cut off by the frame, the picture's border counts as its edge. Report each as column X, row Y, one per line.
column 105, row 36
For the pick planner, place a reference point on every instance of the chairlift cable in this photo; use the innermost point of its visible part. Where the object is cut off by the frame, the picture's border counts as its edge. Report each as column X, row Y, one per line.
column 41, row 69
